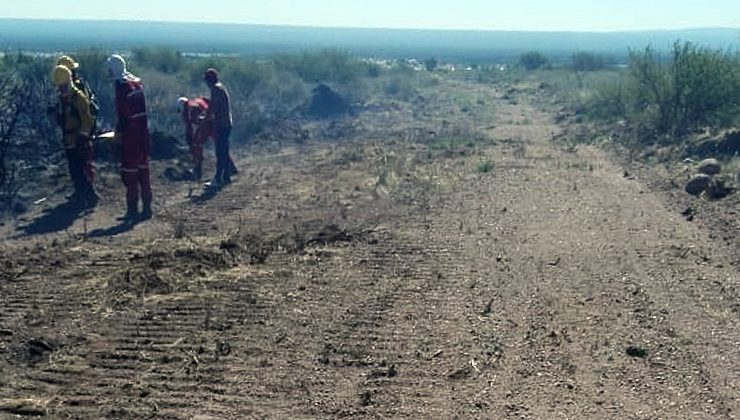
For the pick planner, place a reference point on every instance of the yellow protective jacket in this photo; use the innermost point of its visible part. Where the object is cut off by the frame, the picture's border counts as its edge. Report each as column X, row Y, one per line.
column 74, row 117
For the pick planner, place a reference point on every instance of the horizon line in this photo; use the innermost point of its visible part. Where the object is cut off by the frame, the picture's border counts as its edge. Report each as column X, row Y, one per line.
column 295, row 26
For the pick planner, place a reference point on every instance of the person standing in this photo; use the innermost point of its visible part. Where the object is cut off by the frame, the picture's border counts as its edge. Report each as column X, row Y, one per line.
column 75, row 119
column 133, row 131
column 198, row 129
column 219, row 112
column 82, row 86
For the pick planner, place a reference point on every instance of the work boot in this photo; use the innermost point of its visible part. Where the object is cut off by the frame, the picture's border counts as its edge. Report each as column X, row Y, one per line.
column 91, row 199
column 131, row 215
column 214, row 183
column 146, row 213
column 75, row 197
column 232, row 171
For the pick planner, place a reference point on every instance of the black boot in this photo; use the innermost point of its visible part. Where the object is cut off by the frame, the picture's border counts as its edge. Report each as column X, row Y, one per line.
column 146, row 212
column 91, row 198
column 75, row 198
column 232, row 171
column 132, row 214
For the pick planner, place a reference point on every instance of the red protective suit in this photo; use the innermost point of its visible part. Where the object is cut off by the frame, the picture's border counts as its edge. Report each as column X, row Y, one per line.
column 198, row 129
column 132, row 127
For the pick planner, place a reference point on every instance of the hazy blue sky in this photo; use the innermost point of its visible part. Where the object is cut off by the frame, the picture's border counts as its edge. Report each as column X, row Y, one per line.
column 546, row 15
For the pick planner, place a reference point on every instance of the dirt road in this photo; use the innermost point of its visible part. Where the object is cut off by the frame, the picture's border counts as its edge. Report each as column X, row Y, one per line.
column 382, row 279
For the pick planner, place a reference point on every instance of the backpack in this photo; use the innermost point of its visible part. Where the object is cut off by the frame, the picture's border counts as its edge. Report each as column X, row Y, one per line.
column 80, row 84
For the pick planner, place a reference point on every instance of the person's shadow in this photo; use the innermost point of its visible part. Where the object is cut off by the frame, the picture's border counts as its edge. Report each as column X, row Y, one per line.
column 207, row 194
column 54, row 219
column 122, row 227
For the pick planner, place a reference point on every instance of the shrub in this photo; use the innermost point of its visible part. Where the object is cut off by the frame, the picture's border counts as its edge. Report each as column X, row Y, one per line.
column 584, row 61
column 705, row 88
column 324, row 67
column 24, row 93
column 430, row 64
column 532, row 60
column 484, row 167
column 163, row 59
column 696, row 87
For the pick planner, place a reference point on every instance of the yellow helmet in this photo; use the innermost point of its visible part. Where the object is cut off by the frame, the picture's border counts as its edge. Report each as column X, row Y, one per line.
column 67, row 62
column 61, row 76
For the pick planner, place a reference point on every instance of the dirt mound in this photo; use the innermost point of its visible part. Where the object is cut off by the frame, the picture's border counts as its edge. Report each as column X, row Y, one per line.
column 326, row 103
column 165, row 146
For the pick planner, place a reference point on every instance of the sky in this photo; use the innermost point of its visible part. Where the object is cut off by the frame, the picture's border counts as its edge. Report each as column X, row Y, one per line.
column 530, row 15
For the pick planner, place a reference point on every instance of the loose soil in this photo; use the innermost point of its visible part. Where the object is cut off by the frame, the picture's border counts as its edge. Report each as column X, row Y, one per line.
column 393, row 269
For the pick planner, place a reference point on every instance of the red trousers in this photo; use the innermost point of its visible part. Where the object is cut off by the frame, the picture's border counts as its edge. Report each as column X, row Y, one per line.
column 135, row 166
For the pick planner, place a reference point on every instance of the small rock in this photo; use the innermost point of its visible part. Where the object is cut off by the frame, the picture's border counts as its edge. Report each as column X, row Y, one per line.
column 366, row 398
column 709, row 167
column 719, row 188
column 697, row 184
column 634, row 351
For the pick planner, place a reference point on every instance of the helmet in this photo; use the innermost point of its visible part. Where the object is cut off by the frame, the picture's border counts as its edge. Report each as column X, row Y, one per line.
column 116, row 66
column 181, row 103
column 67, row 62
column 61, row 76
column 211, row 75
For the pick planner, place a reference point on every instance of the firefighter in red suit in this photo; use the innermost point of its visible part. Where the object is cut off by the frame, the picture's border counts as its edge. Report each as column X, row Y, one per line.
column 198, row 129
column 133, row 132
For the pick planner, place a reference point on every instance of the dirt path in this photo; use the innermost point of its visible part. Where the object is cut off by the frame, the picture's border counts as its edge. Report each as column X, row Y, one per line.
column 547, row 286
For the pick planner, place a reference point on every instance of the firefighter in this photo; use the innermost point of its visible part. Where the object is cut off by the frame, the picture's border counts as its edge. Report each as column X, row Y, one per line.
column 219, row 112
column 73, row 115
column 82, row 85
column 198, row 128
column 133, row 132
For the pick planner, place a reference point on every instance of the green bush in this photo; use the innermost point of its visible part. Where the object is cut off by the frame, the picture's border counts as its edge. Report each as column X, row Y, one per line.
column 706, row 88
column 324, row 67
column 696, row 87
column 584, row 61
column 532, row 60
column 484, row 167
column 431, row 64
column 163, row 59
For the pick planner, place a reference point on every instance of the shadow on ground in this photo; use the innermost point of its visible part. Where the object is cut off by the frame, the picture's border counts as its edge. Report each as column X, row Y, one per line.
column 54, row 219
column 122, row 227
column 206, row 195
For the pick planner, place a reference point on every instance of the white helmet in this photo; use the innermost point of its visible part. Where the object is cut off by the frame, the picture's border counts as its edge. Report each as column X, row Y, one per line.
column 181, row 103
column 116, row 66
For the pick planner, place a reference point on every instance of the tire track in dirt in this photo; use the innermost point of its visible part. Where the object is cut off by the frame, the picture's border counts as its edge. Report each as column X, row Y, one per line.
column 576, row 288
column 514, row 294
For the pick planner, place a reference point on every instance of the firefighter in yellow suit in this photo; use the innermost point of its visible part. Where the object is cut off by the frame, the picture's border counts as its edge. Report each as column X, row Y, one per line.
column 76, row 121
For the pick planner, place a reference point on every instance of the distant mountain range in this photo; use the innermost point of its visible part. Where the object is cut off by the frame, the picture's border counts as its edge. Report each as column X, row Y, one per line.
column 471, row 46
